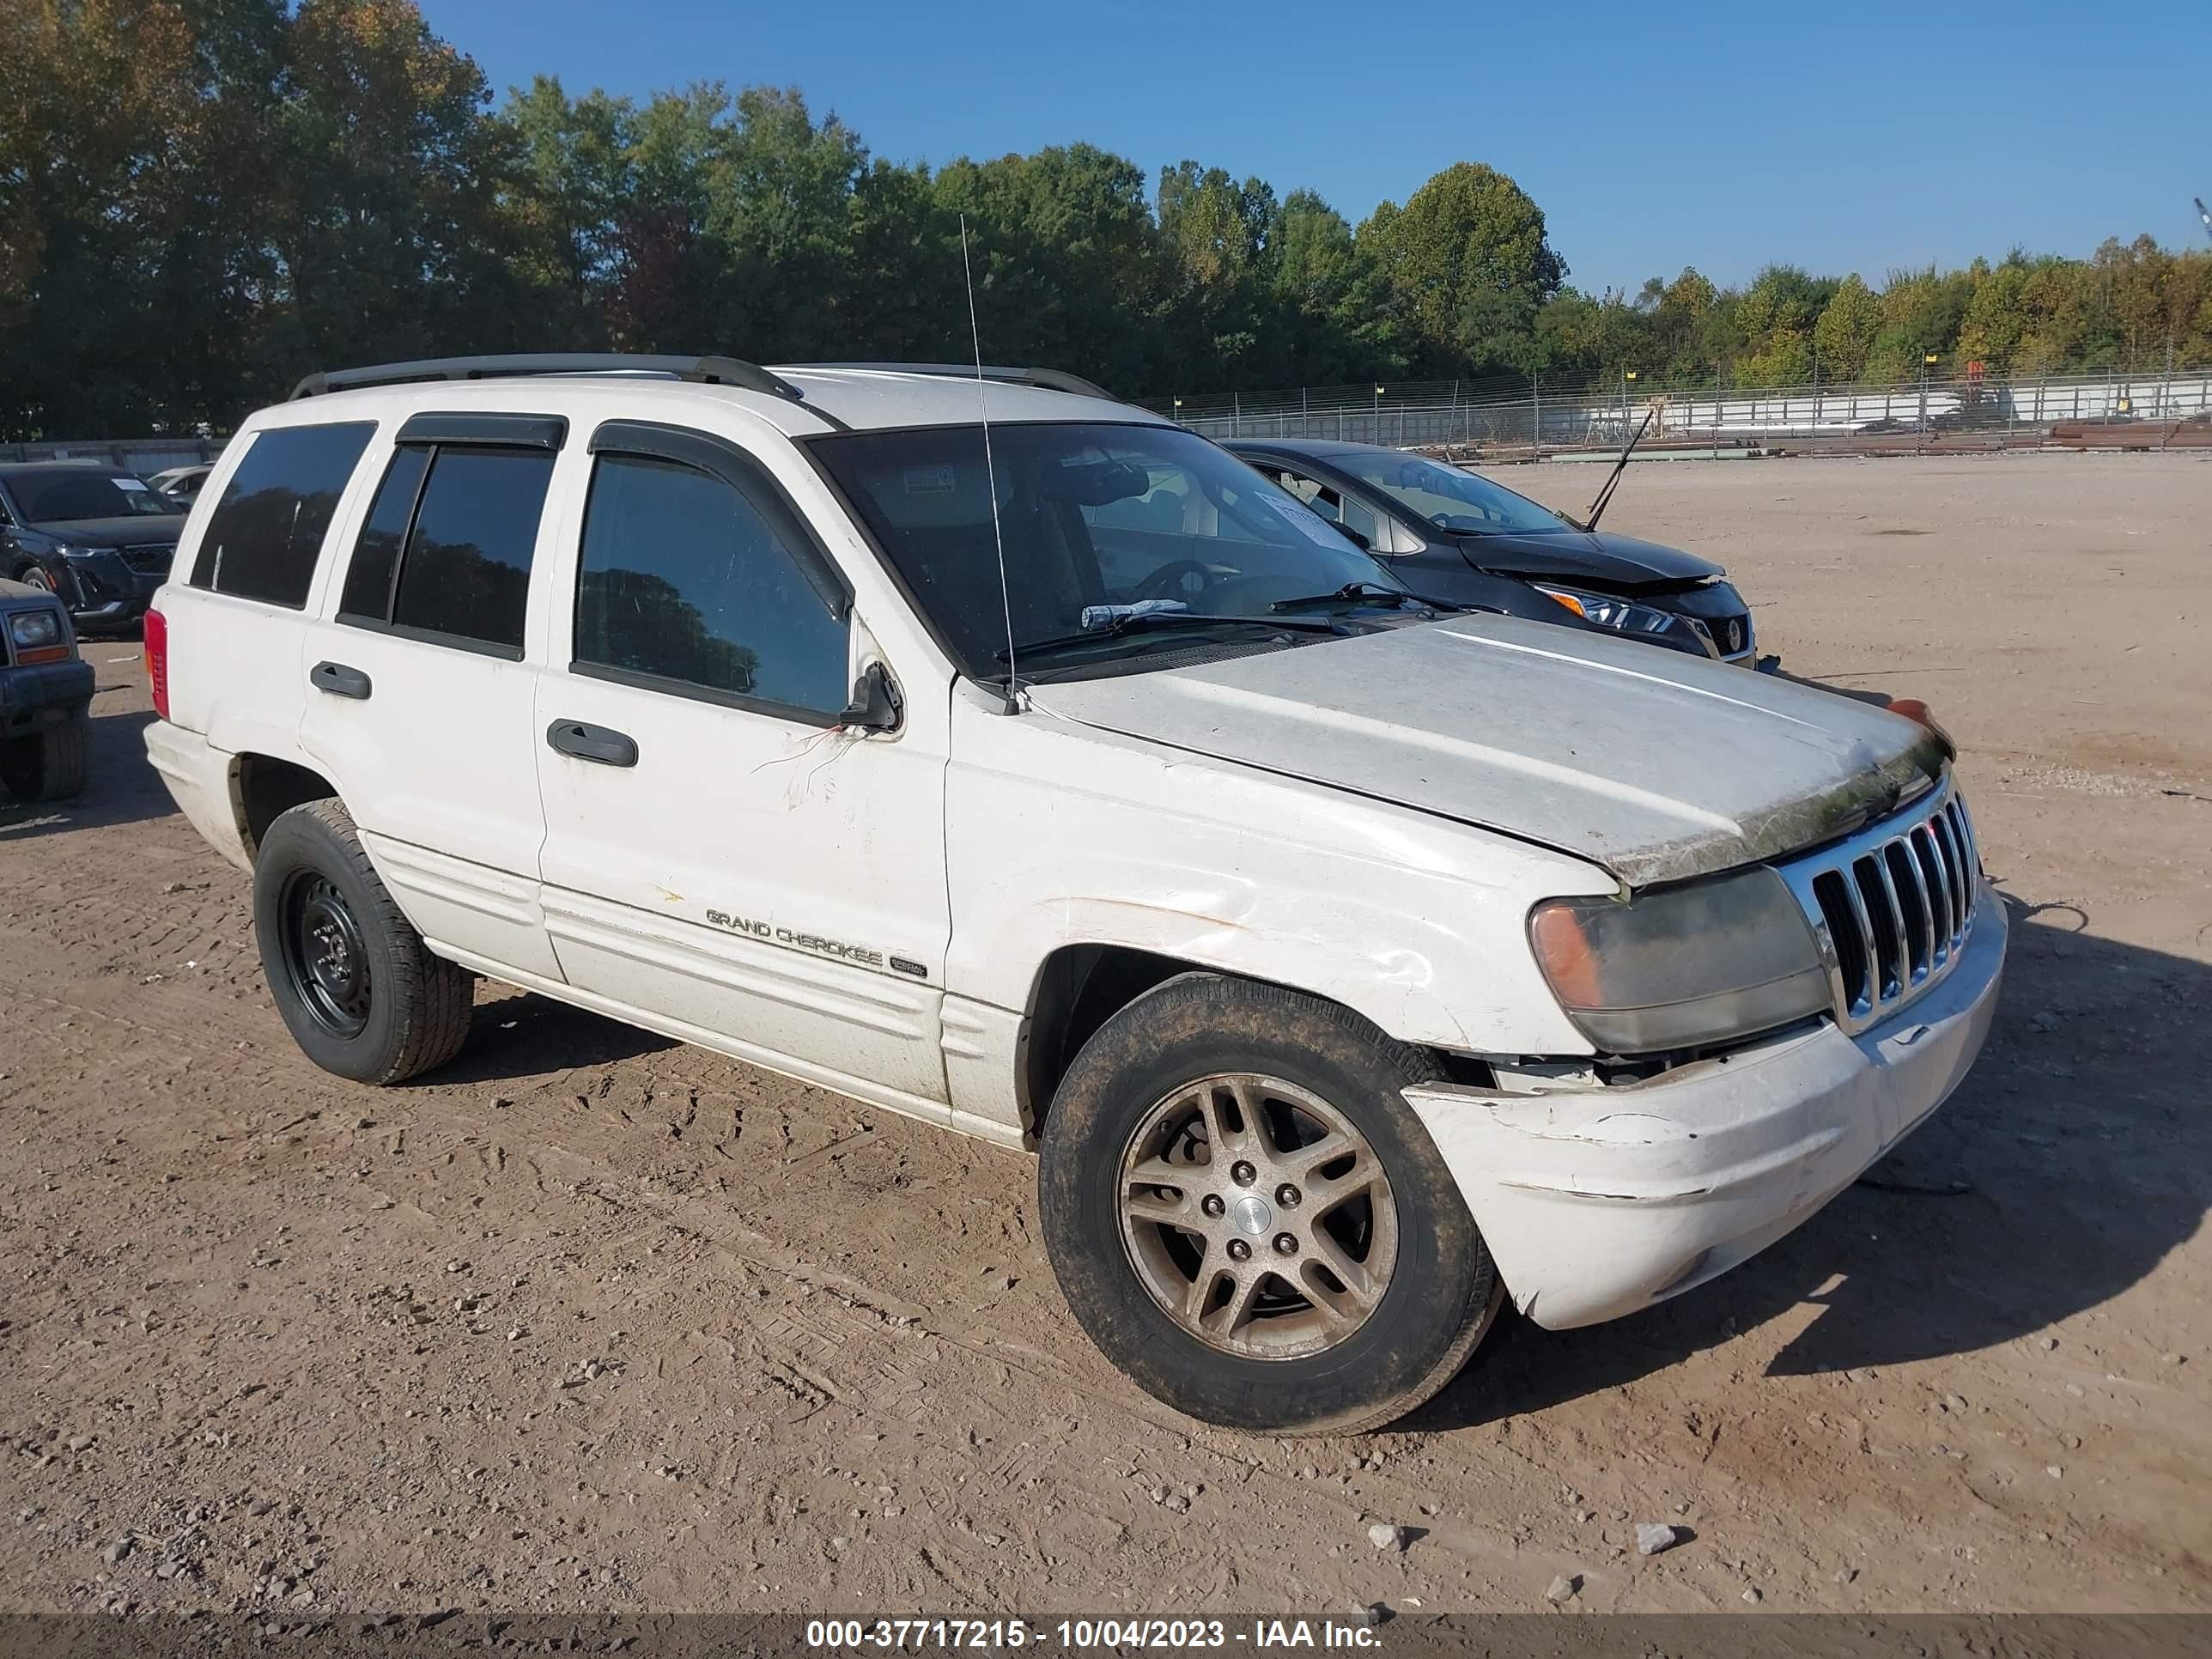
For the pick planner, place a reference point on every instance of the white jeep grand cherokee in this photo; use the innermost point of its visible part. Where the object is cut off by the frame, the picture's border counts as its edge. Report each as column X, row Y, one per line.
column 1350, row 966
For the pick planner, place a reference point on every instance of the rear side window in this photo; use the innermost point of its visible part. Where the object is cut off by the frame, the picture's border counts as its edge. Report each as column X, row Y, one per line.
column 445, row 552
column 263, row 539
column 368, row 592
column 685, row 582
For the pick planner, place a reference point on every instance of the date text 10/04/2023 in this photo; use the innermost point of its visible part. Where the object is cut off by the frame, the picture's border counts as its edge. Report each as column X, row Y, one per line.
column 916, row 1634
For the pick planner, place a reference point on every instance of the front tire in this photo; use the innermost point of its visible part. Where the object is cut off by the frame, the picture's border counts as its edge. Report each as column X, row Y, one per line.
column 363, row 995
column 1248, row 1220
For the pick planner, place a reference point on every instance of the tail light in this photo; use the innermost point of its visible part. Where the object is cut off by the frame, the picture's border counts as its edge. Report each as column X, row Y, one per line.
column 157, row 661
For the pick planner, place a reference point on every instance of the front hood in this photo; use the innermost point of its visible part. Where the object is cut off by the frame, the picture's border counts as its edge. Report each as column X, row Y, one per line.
column 138, row 530
column 1656, row 765
column 1616, row 562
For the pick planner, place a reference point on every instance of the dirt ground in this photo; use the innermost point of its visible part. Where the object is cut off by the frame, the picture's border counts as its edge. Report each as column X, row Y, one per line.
column 591, row 1321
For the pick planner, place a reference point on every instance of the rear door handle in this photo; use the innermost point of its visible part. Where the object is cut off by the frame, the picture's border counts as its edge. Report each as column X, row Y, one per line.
column 339, row 681
column 598, row 744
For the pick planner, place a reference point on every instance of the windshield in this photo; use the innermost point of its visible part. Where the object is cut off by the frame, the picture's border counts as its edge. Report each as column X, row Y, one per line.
column 60, row 494
column 1448, row 498
column 1097, row 519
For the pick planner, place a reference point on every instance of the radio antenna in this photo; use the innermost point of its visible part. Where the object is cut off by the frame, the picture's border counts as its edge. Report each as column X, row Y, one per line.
column 990, row 471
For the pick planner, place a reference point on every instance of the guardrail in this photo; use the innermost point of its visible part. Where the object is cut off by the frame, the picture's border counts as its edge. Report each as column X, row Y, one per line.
column 2019, row 408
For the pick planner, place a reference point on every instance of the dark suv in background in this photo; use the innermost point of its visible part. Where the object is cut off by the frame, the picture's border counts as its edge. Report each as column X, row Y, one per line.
column 45, row 689
column 1452, row 534
column 98, row 537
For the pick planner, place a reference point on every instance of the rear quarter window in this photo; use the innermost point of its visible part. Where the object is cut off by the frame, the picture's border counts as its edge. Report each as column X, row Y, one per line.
column 267, row 529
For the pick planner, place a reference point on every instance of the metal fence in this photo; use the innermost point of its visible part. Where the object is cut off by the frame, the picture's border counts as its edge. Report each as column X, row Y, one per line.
column 1534, row 418
column 139, row 455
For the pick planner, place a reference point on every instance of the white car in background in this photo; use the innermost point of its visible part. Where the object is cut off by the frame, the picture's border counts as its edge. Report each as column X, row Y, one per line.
column 1349, row 964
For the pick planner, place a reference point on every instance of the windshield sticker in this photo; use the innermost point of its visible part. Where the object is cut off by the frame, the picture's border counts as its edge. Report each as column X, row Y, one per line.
column 930, row 480
column 130, row 485
column 1317, row 529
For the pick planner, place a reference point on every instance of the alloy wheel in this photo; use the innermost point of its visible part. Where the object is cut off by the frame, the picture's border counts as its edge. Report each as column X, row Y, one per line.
column 1257, row 1216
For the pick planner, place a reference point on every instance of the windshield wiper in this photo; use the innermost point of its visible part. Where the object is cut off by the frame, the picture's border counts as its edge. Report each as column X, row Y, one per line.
column 1151, row 619
column 1373, row 590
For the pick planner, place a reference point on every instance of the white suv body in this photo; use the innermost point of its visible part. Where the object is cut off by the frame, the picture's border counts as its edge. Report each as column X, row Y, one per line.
column 946, row 913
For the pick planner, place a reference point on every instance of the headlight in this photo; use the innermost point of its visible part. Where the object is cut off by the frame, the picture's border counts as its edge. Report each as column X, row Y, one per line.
column 1611, row 610
column 30, row 629
column 1682, row 967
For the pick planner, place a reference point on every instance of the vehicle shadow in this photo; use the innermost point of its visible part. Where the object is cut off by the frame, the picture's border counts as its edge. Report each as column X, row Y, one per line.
column 2073, row 1158
column 120, row 786
column 520, row 1034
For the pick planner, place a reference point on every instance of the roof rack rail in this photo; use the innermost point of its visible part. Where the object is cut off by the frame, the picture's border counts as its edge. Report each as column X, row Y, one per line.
column 711, row 371
column 1050, row 379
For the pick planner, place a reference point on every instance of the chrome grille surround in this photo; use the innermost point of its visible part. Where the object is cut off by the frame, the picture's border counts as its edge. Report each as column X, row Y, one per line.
column 1890, row 907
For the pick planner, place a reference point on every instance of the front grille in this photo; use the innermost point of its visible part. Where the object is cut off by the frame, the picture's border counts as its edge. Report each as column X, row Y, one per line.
column 150, row 558
column 1892, row 906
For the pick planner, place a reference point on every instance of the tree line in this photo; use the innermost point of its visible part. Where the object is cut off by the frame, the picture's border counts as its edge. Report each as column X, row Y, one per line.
column 202, row 200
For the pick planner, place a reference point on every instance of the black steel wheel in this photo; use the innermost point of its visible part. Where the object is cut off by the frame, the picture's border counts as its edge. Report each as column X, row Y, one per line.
column 364, row 996
column 324, row 957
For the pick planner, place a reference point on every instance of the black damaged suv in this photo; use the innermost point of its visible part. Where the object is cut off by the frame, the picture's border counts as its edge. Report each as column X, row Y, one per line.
column 1455, row 535
column 97, row 536
column 45, row 689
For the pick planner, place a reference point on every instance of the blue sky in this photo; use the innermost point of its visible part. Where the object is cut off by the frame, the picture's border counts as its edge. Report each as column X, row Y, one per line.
column 1838, row 136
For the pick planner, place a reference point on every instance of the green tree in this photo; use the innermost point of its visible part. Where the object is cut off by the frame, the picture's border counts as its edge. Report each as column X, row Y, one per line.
column 1844, row 333
column 1067, row 259
column 1467, row 263
column 1214, row 234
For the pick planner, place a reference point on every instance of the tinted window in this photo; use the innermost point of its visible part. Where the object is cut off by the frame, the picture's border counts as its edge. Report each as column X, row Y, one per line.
column 466, row 569
column 376, row 555
column 684, row 579
column 264, row 537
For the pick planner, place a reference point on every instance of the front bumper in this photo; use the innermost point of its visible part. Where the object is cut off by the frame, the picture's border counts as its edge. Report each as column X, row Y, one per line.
column 42, row 694
column 1597, row 1201
column 110, row 593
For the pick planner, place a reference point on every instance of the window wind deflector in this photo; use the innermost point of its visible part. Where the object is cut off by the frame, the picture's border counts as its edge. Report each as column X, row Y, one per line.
column 547, row 432
column 720, row 459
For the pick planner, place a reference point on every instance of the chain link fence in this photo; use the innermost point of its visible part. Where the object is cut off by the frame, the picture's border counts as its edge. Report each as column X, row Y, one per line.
column 140, row 455
column 2169, row 407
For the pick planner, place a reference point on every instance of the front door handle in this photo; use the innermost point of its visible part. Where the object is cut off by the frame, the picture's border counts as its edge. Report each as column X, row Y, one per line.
column 339, row 681
column 598, row 744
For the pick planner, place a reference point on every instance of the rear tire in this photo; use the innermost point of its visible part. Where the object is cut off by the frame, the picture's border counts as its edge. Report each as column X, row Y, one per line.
column 1248, row 1220
column 48, row 764
column 363, row 995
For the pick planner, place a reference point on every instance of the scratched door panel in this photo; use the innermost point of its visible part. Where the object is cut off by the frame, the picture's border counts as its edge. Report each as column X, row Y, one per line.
column 769, row 881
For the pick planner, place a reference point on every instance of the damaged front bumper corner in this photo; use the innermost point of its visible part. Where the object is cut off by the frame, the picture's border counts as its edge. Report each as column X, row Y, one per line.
column 1596, row 1201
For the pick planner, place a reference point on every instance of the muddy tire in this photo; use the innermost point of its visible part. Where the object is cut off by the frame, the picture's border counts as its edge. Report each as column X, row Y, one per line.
column 1249, row 1221
column 48, row 764
column 363, row 996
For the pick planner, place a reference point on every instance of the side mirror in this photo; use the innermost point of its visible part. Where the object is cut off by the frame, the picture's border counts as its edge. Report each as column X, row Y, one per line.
column 876, row 702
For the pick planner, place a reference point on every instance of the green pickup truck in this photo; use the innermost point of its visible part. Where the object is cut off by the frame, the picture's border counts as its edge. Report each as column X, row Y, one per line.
column 45, row 689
